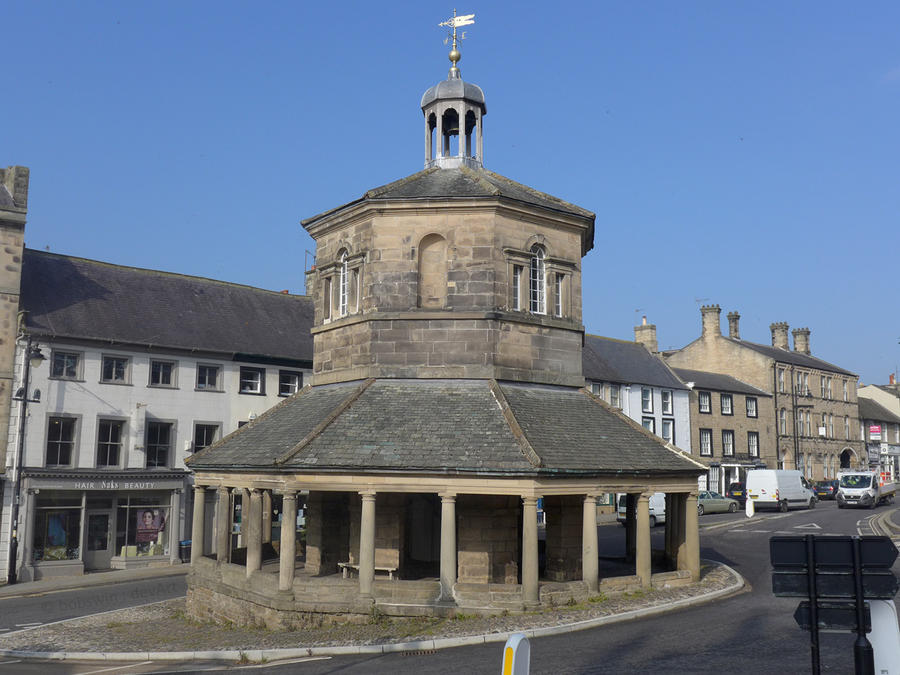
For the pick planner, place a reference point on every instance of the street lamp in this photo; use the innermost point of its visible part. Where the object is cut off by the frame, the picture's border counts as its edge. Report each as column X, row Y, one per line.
column 33, row 358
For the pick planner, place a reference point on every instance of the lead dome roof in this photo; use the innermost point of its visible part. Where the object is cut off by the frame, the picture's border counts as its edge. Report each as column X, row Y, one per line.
column 454, row 89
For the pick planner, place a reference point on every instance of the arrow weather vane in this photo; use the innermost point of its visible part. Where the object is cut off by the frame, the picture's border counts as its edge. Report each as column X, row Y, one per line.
column 455, row 22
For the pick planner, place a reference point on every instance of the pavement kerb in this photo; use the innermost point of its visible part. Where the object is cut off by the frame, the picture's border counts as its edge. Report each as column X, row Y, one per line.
column 48, row 586
column 272, row 655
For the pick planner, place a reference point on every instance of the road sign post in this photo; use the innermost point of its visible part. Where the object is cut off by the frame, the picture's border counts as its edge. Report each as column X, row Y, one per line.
column 837, row 575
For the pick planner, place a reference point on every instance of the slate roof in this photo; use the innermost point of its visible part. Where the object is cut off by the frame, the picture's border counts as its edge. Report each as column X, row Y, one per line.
column 610, row 360
column 465, row 183
column 872, row 410
column 718, row 382
column 792, row 357
column 67, row 297
column 443, row 427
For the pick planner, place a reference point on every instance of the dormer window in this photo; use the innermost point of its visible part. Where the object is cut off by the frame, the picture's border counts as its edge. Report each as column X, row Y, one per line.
column 538, row 280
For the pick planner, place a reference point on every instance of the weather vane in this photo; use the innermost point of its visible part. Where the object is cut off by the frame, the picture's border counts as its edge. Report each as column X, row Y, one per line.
column 455, row 22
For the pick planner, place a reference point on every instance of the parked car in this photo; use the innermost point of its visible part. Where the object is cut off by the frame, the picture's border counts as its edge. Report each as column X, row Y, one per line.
column 826, row 489
column 657, row 509
column 738, row 492
column 713, row 502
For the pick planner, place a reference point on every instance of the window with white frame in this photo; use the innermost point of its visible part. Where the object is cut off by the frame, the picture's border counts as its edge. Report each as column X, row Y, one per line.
column 649, row 424
column 846, row 398
column 846, row 427
column 614, row 395
column 289, row 382
column 209, row 377
column 646, row 400
column 809, row 424
column 668, row 430
column 727, row 442
column 705, row 400
column 822, row 381
column 109, row 442
column 159, row 442
column 326, row 298
column 706, row 442
column 753, row 443
column 558, row 294
column 727, row 404
column 65, row 365
column 781, row 380
column 114, row 370
column 782, row 421
column 342, row 286
column 666, row 396
column 252, row 381
column 162, row 373
column 60, row 441
column 596, row 388
column 537, row 281
column 205, row 435
column 751, row 407
column 828, row 389
column 830, row 425
column 517, row 287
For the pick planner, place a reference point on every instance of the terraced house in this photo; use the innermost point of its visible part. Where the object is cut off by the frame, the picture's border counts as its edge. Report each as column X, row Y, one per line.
column 814, row 402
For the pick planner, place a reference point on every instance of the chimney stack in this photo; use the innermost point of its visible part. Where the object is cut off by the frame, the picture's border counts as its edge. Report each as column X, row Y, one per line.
column 710, row 314
column 645, row 334
column 779, row 335
column 734, row 320
column 801, row 340
column 15, row 180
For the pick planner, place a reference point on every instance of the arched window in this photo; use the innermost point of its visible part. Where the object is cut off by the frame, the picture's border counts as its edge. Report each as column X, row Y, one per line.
column 538, row 280
column 343, row 293
column 432, row 291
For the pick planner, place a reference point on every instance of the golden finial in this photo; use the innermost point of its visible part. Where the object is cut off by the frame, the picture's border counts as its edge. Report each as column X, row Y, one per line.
column 455, row 22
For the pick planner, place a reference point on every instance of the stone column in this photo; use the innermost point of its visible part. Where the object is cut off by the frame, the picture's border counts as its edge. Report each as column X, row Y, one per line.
column 427, row 142
column 198, row 523
column 223, row 525
column 679, row 523
column 83, row 528
column 439, row 132
column 287, row 552
column 448, row 547
column 480, row 144
column 176, row 526
column 629, row 526
column 590, row 565
column 367, row 545
column 642, row 563
column 267, row 516
column 530, row 586
column 692, row 537
column 670, row 527
column 253, row 532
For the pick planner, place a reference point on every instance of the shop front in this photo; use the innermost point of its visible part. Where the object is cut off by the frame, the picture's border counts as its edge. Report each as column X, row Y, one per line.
column 79, row 522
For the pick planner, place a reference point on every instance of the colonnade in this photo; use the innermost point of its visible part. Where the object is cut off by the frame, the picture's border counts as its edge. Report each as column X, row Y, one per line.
column 682, row 537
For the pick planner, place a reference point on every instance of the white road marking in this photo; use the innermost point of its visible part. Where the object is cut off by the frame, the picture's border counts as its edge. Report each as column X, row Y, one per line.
column 120, row 668
column 284, row 663
column 808, row 526
column 752, row 531
column 9, row 663
column 33, row 623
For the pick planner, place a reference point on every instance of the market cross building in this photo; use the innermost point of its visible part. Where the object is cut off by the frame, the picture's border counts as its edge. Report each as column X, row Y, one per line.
column 447, row 400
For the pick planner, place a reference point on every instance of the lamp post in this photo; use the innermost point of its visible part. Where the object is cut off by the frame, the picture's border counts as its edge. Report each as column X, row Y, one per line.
column 33, row 358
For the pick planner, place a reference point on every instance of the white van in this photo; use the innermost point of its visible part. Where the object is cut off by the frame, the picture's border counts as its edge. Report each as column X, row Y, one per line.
column 779, row 489
column 657, row 509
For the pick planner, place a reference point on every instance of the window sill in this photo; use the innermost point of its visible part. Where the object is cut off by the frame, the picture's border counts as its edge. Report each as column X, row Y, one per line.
column 66, row 379
column 162, row 386
column 121, row 384
column 207, row 389
column 252, row 393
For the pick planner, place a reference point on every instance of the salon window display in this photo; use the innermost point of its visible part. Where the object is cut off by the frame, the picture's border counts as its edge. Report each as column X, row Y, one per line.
column 142, row 528
column 57, row 528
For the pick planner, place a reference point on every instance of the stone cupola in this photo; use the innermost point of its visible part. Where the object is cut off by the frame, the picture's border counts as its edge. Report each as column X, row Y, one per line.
column 454, row 111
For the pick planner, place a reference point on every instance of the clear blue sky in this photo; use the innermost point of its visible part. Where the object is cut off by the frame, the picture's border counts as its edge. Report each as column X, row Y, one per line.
column 743, row 153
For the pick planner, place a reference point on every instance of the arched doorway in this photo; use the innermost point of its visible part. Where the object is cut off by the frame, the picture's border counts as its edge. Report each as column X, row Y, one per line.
column 846, row 458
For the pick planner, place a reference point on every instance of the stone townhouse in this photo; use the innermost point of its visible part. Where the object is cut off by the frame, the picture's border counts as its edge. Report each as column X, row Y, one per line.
column 732, row 427
column 880, row 430
column 814, row 402
column 447, row 399
column 136, row 370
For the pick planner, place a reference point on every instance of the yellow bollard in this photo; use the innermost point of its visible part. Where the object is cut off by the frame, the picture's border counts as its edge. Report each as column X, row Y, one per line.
column 516, row 655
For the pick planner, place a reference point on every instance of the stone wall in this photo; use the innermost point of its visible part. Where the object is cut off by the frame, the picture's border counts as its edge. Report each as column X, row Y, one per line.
column 488, row 539
column 390, row 521
column 328, row 532
column 564, row 517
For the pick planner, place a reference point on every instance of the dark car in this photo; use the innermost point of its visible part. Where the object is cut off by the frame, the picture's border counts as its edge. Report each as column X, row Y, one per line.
column 826, row 489
column 738, row 492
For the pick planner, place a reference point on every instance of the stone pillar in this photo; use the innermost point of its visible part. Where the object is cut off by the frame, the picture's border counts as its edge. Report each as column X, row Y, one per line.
column 479, row 122
column 427, row 141
column 287, row 552
column 82, row 529
column 26, row 536
column 629, row 526
column 198, row 524
column 590, row 566
column 448, row 547
column 267, row 516
column 176, row 526
column 530, row 587
column 439, row 133
column 642, row 562
column 367, row 545
column 692, row 537
column 253, row 532
column 669, row 529
column 223, row 524
column 679, row 523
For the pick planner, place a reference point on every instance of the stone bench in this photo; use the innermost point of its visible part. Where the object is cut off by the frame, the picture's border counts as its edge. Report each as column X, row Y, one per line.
column 347, row 566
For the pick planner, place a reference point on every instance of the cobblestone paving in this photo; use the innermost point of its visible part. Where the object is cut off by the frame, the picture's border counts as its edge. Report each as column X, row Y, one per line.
column 164, row 627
